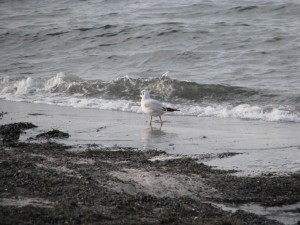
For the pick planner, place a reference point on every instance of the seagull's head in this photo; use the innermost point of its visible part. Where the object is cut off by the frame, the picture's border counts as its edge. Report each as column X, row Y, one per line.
column 145, row 94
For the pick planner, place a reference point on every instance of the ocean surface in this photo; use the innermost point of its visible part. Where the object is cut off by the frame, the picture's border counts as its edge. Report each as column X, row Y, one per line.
column 209, row 58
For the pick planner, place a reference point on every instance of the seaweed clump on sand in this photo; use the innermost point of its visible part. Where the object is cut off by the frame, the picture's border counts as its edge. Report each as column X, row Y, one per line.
column 2, row 114
column 57, row 134
column 10, row 133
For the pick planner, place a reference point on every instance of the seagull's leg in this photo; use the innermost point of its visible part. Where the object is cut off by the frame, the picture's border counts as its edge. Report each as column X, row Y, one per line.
column 151, row 121
column 161, row 122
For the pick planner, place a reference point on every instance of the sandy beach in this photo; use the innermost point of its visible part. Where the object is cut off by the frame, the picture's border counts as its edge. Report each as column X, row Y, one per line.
column 115, row 169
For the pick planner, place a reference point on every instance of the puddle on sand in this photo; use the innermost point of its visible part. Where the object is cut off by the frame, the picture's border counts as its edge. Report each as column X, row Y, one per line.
column 21, row 202
column 287, row 214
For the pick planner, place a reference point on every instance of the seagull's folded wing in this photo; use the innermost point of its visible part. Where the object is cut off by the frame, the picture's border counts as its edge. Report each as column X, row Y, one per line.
column 153, row 105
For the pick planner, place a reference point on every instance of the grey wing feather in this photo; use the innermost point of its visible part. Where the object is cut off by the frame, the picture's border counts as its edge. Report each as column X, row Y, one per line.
column 153, row 104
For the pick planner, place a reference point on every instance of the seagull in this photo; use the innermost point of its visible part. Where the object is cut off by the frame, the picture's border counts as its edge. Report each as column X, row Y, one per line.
column 153, row 107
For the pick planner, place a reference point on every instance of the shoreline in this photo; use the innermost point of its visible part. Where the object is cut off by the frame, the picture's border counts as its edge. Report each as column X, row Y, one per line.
column 264, row 147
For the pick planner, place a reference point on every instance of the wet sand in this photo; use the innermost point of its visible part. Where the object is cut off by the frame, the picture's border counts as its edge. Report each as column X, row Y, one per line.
column 265, row 147
column 56, row 180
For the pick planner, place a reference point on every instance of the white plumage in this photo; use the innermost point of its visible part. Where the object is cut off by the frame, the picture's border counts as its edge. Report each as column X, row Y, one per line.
column 153, row 107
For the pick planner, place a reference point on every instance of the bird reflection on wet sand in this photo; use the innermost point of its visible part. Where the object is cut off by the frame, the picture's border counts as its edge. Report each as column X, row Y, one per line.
column 153, row 136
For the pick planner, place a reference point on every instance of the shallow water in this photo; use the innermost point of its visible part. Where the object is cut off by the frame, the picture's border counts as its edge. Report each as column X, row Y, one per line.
column 287, row 214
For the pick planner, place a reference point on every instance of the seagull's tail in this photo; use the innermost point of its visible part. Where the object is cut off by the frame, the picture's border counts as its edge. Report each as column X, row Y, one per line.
column 170, row 109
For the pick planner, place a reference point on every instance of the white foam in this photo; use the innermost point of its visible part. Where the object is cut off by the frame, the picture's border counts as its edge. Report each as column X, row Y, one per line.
column 93, row 103
column 25, row 87
column 243, row 111
column 54, row 81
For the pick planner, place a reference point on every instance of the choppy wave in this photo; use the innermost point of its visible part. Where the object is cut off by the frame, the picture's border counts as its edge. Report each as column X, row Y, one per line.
column 193, row 99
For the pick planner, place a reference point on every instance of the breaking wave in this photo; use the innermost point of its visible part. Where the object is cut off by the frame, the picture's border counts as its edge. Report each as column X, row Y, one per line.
column 193, row 99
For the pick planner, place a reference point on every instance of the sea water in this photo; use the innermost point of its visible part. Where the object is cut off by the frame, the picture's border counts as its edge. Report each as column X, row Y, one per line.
column 209, row 58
